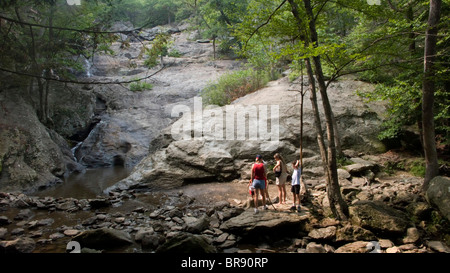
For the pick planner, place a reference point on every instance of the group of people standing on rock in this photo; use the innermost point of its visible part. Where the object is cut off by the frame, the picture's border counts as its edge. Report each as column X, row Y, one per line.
column 258, row 181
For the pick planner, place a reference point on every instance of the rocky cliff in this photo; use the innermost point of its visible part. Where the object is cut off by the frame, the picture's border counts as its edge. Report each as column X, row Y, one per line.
column 220, row 143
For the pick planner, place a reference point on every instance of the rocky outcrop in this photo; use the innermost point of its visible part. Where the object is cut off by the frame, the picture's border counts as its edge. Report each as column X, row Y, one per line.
column 438, row 195
column 226, row 152
column 29, row 153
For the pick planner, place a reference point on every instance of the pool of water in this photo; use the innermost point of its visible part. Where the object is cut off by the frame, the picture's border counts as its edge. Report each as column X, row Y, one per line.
column 88, row 184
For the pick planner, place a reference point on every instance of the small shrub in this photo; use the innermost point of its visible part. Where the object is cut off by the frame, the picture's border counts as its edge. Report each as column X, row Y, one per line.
column 417, row 168
column 234, row 85
column 140, row 86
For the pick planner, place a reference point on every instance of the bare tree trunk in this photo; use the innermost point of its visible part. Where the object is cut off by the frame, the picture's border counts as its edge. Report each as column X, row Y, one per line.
column 337, row 204
column 428, row 89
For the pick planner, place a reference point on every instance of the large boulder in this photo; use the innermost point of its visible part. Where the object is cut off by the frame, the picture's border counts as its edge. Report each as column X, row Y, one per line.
column 379, row 218
column 103, row 238
column 187, row 243
column 438, row 195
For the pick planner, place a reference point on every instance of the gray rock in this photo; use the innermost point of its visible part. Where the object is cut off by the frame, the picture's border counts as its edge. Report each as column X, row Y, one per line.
column 438, row 195
column 103, row 238
column 3, row 233
column 379, row 218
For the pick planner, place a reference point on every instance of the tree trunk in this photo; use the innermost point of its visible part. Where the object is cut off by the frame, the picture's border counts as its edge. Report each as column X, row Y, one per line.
column 337, row 204
column 428, row 89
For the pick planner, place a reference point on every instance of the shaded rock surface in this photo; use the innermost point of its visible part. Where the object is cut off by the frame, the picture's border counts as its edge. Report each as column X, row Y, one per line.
column 438, row 194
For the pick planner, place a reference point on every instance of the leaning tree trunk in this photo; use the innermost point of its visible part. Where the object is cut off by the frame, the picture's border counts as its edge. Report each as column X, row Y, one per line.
column 428, row 89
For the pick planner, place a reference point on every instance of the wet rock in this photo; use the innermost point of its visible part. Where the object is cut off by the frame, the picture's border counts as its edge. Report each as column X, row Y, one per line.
column 103, row 238
column 187, row 243
column 379, row 218
column 438, row 195
column 19, row 245
column 355, row 247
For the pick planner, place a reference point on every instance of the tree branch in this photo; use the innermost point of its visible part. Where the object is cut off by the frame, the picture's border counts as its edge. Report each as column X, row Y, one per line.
column 265, row 23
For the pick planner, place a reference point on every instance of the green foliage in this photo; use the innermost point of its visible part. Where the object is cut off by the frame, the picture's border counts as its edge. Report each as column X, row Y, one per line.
column 343, row 161
column 140, row 86
column 417, row 168
column 158, row 49
column 234, row 85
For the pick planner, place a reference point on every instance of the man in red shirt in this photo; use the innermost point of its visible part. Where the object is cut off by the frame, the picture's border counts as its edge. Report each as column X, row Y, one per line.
column 258, row 181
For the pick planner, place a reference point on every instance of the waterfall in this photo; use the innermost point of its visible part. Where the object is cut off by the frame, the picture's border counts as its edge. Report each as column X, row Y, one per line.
column 87, row 68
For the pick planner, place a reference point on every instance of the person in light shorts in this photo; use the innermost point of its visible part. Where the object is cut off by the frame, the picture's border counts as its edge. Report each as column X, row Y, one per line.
column 281, row 174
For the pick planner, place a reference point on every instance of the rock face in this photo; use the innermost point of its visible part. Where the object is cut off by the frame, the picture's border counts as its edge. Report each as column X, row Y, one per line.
column 438, row 194
column 187, row 243
column 208, row 150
